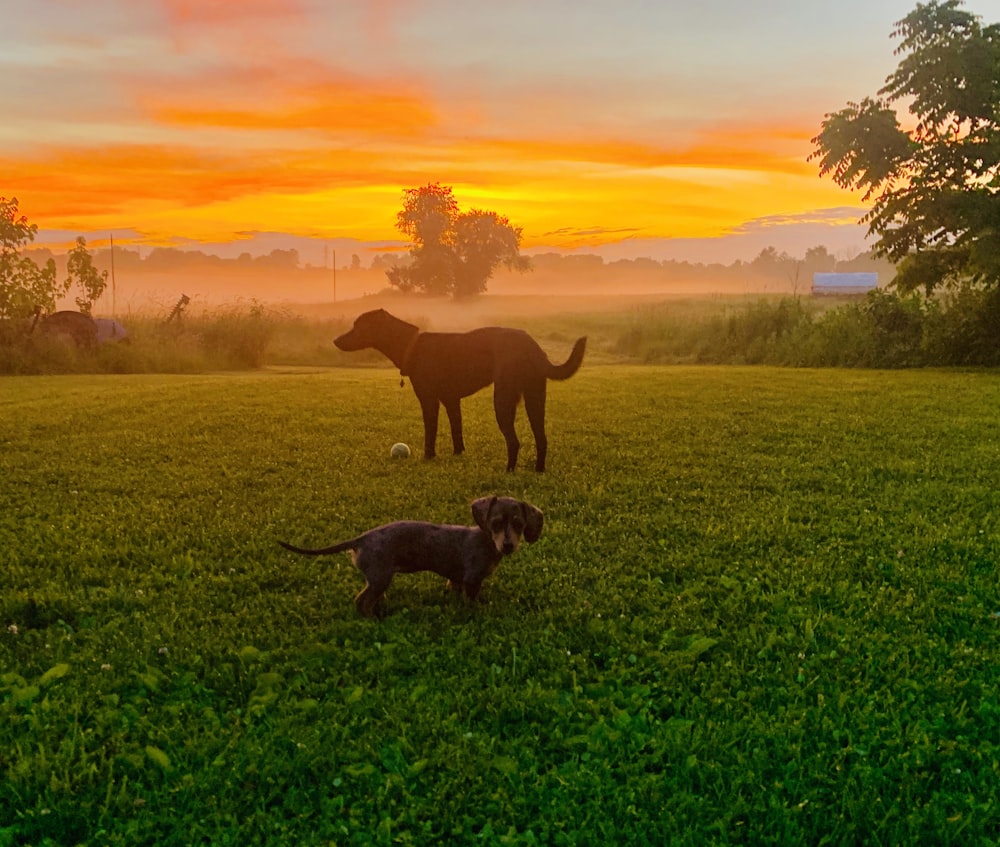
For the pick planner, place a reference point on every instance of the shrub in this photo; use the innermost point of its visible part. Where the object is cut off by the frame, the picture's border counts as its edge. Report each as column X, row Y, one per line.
column 239, row 337
column 896, row 328
column 756, row 334
column 841, row 339
column 964, row 328
column 883, row 330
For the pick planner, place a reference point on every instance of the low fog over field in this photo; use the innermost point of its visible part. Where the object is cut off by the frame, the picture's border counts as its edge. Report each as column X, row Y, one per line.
column 153, row 283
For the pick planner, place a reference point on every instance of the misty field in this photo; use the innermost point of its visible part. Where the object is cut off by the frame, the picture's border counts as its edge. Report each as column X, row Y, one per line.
column 765, row 609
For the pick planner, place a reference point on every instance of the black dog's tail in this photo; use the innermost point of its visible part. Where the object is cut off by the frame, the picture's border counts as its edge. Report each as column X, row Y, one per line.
column 336, row 548
column 572, row 364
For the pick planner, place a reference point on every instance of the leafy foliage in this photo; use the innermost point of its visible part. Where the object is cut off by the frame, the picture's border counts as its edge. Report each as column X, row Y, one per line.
column 763, row 611
column 81, row 272
column 936, row 188
column 454, row 253
column 237, row 337
column 24, row 286
column 428, row 214
column 881, row 330
column 483, row 242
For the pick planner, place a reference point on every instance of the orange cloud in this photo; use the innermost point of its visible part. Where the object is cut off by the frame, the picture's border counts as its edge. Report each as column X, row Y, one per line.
column 113, row 177
column 181, row 12
column 750, row 151
column 303, row 96
column 332, row 108
column 559, row 191
column 253, row 28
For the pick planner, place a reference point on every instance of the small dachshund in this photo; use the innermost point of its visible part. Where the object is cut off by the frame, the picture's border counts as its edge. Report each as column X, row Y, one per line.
column 464, row 555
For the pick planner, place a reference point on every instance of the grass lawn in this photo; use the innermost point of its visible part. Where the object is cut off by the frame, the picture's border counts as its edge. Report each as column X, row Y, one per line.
column 765, row 609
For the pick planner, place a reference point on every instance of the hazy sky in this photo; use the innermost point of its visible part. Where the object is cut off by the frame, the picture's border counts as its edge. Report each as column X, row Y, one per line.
column 638, row 124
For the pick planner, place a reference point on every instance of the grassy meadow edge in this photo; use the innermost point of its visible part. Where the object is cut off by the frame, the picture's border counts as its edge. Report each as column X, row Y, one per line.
column 764, row 609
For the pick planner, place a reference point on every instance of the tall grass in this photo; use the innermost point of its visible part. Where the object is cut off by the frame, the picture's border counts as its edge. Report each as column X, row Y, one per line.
column 237, row 337
column 882, row 330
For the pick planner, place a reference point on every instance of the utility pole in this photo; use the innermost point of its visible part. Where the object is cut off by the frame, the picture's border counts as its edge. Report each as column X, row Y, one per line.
column 114, row 287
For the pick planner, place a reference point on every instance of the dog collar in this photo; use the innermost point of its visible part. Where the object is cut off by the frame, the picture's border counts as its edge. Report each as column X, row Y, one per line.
column 405, row 363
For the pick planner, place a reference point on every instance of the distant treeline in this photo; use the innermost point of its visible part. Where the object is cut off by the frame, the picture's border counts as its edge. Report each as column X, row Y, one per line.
column 161, row 259
column 791, row 271
column 794, row 272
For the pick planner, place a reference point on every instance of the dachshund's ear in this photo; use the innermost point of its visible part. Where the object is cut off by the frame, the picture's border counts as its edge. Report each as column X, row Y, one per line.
column 533, row 520
column 481, row 511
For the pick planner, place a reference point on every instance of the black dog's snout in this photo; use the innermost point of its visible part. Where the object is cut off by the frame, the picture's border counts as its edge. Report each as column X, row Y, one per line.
column 508, row 548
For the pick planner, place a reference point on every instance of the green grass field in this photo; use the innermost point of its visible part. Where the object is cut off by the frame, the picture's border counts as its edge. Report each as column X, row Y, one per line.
column 765, row 609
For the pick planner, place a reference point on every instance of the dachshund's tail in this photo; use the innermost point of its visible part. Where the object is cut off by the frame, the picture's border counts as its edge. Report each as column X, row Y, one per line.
column 323, row 551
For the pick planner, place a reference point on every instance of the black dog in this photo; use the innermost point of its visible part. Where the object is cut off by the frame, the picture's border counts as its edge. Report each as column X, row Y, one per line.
column 444, row 367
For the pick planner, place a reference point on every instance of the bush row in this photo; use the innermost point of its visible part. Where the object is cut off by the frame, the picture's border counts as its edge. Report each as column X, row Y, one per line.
column 882, row 330
column 235, row 338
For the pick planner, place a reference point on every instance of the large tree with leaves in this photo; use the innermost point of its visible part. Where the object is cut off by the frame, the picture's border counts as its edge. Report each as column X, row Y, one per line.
column 454, row 253
column 24, row 286
column 935, row 184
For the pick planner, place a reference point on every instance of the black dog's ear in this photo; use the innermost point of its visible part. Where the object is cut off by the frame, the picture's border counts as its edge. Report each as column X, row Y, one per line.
column 481, row 511
column 533, row 520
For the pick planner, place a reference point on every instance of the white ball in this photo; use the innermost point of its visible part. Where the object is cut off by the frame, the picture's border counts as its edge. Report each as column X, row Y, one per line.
column 399, row 451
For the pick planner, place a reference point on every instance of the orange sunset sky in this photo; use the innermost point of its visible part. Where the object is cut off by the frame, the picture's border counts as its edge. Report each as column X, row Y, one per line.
column 669, row 129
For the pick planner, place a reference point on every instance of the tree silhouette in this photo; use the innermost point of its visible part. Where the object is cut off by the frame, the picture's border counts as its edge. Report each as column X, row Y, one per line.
column 453, row 253
column 24, row 286
column 935, row 187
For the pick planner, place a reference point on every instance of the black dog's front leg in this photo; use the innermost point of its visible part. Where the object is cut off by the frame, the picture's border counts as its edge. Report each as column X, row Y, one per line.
column 429, row 406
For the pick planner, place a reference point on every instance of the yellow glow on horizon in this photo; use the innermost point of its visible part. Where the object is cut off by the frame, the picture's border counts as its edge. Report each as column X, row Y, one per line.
column 561, row 193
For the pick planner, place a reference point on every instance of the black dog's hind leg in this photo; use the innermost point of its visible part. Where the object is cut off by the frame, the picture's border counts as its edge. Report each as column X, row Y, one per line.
column 505, row 406
column 454, row 409
column 534, row 405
